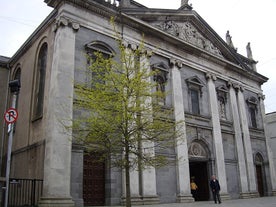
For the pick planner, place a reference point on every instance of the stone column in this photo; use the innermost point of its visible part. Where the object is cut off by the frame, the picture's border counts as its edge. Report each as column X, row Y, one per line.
column 134, row 187
column 182, row 165
column 217, row 137
column 135, row 183
column 57, row 162
column 143, row 183
column 148, row 176
column 149, row 179
column 268, row 145
column 239, row 143
column 247, row 144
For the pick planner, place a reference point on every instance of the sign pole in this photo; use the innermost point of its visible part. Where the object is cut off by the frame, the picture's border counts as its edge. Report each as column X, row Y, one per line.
column 8, row 167
column 14, row 87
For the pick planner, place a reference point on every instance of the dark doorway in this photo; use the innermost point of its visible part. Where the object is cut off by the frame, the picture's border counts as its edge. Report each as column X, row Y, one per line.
column 198, row 170
column 93, row 180
column 260, row 180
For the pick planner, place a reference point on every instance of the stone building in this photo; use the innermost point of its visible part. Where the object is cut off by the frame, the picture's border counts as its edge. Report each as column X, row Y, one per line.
column 270, row 127
column 215, row 90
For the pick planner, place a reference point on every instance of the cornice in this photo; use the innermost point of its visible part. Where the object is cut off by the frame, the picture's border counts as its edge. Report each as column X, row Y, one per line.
column 34, row 36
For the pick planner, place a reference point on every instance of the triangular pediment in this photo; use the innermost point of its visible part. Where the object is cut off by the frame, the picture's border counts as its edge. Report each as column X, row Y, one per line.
column 189, row 33
column 189, row 27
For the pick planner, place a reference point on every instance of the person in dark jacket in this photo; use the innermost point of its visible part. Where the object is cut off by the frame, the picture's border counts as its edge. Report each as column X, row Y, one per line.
column 215, row 187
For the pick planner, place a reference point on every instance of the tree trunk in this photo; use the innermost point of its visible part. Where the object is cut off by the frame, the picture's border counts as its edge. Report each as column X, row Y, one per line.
column 127, row 169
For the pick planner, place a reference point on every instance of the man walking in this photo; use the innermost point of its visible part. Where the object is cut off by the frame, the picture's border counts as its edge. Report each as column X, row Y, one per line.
column 215, row 187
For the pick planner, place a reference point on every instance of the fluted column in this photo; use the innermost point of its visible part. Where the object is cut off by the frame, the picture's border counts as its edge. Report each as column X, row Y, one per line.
column 217, row 137
column 268, row 145
column 59, row 113
column 247, row 144
column 239, row 143
column 182, row 165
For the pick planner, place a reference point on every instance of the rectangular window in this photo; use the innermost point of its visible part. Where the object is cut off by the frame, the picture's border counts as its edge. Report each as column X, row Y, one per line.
column 253, row 117
column 195, row 101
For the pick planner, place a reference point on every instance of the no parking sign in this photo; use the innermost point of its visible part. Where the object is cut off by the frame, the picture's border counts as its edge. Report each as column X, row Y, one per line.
column 11, row 115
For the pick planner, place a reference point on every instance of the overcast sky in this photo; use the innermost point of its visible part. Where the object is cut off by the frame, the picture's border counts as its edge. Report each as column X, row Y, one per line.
column 247, row 20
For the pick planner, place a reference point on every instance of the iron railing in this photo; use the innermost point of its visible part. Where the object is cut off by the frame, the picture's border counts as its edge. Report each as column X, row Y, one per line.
column 24, row 192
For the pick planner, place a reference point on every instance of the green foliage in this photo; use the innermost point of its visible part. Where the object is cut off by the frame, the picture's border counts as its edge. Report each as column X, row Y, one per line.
column 122, row 114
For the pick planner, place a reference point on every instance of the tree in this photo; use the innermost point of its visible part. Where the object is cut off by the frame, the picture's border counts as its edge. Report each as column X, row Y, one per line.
column 124, row 120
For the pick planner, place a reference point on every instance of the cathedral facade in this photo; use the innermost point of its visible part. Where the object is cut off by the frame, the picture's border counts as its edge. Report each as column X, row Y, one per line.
column 213, row 89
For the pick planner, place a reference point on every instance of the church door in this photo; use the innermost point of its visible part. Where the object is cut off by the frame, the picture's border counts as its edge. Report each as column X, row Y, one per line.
column 198, row 170
column 260, row 180
column 93, row 181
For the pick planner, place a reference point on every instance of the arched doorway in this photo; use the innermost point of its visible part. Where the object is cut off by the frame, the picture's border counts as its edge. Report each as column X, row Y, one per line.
column 259, row 173
column 198, row 163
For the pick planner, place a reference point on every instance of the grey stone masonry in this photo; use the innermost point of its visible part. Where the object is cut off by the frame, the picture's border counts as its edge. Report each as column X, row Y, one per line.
column 239, row 143
column 57, row 164
column 182, row 167
column 218, row 145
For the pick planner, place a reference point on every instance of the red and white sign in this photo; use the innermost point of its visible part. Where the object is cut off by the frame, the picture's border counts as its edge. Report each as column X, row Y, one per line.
column 11, row 115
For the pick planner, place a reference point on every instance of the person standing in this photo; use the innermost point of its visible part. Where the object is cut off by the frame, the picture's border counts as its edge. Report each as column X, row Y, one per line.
column 194, row 188
column 215, row 187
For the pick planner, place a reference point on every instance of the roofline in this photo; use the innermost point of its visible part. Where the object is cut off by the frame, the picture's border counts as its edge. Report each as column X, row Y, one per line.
column 150, row 29
column 33, row 37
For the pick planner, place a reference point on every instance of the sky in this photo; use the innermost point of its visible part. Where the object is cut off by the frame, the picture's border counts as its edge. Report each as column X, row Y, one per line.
column 247, row 21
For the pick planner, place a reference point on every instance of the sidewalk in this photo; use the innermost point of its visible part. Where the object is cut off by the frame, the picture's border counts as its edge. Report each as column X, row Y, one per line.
column 253, row 202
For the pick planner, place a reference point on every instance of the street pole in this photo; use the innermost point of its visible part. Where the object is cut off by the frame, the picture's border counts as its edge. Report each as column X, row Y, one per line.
column 14, row 86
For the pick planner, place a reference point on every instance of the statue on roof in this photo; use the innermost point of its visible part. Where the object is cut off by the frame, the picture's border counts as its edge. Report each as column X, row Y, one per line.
column 249, row 51
column 184, row 2
column 229, row 40
column 185, row 5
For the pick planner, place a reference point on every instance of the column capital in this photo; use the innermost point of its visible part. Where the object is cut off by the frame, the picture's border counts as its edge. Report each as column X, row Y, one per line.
column 235, row 85
column 175, row 62
column 131, row 45
column 63, row 21
column 211, row 76
column 261, row 96
column 135, row 46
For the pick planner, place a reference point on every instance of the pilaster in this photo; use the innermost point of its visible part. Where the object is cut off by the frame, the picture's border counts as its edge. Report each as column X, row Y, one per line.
column 182, row 165
column 239, row 142
column 217, row 137
column 57, row 162
column 247, row 144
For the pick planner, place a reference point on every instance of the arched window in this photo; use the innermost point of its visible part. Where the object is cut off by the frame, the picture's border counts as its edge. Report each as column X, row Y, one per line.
column 17, row 76
column 40, row 81
column 91, row 49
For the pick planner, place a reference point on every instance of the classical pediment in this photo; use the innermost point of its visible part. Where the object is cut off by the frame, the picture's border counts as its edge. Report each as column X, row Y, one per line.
column 189, row 33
